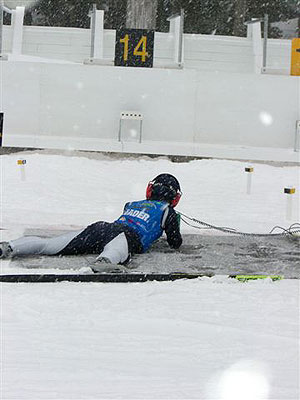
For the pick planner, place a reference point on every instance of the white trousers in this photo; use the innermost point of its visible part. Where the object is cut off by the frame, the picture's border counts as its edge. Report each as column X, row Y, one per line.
column 116, row 250
column 34, row 245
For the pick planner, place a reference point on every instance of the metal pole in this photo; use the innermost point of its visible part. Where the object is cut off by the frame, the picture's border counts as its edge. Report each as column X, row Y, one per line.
column 180, row 46
column 120, row 127
column 1, row 127
column 93, row 29
column 297, row 137
column 141, row 130
column 266, row 24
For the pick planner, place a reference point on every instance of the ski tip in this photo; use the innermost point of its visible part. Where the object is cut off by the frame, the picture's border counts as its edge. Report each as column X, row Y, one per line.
column 295, row 235
column 245, row 278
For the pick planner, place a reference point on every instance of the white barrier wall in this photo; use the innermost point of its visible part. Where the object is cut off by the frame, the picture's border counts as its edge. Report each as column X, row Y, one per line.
column 205, row 52
column 186, row 112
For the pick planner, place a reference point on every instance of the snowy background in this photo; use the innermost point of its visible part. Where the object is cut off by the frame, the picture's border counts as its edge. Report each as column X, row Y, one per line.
column 210, row 338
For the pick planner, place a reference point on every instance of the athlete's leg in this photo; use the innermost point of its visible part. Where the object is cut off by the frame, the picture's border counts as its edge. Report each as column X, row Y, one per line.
column 116, row 250
column 90, row 241
column 34, row 245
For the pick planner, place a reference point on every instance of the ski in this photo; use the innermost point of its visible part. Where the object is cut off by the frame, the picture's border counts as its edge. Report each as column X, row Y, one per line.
column 122, row 277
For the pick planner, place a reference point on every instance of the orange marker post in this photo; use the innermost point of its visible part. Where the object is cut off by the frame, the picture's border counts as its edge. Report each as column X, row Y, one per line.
column 295, row 57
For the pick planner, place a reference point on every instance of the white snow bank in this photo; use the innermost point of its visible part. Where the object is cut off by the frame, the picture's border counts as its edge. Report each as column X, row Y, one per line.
column 200, row 339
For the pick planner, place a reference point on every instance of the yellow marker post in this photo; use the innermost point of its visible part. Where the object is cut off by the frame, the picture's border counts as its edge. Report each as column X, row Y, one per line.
column 22, row 164
column 289, row 191
column 249, row 171
column 295, row 57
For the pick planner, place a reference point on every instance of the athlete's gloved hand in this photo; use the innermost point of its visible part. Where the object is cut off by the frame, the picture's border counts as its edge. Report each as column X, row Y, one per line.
column 178, row 217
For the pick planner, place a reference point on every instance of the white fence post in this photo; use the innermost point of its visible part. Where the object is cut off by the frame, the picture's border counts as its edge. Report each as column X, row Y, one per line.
column 99, row 34
column 17, row 23
column 254, row 34
column 257, row 47
column 97, row 39
column 1, row 26
column 176, row 29
column 2, row 10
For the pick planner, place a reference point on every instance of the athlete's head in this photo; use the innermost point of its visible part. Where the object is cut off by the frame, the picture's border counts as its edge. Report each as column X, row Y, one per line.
column 164, row 187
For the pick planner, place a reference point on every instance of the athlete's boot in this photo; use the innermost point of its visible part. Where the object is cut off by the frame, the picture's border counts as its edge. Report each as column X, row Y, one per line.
column 5, row 250
column 104, row 265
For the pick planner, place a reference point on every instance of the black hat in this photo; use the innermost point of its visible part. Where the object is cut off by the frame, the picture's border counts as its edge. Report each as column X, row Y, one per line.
column 165, row 187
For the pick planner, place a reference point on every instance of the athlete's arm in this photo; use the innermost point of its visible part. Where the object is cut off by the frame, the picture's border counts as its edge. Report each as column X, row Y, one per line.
column 172, row 229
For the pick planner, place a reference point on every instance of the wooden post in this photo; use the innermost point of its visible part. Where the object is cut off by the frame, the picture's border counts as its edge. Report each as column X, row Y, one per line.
column 239, row 15
column 141, row 14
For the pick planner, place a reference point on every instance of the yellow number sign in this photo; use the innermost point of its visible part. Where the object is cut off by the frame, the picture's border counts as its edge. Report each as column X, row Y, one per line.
column 143, row 53
column 134, row 48
column 295, row 58
column 125, row 52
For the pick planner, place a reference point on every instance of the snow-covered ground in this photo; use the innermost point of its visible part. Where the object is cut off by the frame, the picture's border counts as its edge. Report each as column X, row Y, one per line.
column 210, row 338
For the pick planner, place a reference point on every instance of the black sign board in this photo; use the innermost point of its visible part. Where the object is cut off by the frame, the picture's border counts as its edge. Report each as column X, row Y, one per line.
column 134, row 48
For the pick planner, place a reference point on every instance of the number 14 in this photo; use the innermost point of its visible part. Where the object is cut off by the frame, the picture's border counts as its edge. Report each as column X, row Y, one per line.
column 136, row 52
